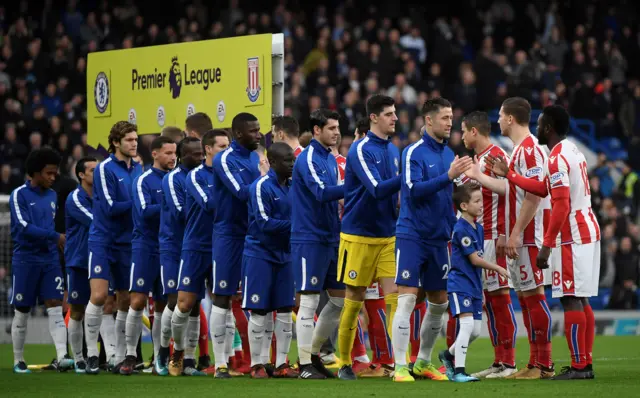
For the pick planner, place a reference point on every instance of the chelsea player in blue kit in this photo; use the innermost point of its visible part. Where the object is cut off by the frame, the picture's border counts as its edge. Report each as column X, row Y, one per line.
column 35, row 265
column 195, row 263
column 423, row 232
column 78, row 218
column 235, row 170
column 172, row 225
column 315, row 235
column 267, row 274
column 110, row 239
column 464, row 283
column 145, row 257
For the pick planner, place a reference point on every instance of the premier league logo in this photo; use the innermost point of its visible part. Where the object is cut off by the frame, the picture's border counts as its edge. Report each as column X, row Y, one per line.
column 101, row 92
column 253, row 87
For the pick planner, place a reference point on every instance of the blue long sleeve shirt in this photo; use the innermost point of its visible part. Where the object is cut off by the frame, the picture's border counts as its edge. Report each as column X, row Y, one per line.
column 426, row 212
column 33, row 211
column 77, row 219
column 269, row 220
column 200, row 208
column 314, row 196
column 172, row 214
column 113, row 202
column 147, row 203
column 235, row 169
column 371, row 186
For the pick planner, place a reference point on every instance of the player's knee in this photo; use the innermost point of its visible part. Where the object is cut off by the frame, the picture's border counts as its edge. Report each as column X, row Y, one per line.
column 285, row 310
column 437, row 308
column 172, row 301
column 570, row 303
column 222, row 301
column 77, row 312
column 24, row 310
column 137, row 301
column 406, row 303
column 437, row 297
column 259, row 312
column 185, row 303
column 52, row 303
column 195, row 309
column 309, row 301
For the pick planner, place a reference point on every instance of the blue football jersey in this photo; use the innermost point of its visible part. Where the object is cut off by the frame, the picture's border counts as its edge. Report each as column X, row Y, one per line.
column 464, row 277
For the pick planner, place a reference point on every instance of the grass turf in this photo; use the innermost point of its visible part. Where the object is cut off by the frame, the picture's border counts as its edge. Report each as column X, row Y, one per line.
column 616, row 364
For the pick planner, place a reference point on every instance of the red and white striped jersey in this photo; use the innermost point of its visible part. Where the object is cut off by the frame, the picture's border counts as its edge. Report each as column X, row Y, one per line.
column 342, row 165
column 528, row 159
column 494, row 206
column 567, row 168
column 297, row 151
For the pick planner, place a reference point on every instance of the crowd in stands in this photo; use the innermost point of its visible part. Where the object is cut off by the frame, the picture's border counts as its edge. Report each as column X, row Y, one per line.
column 580, row 54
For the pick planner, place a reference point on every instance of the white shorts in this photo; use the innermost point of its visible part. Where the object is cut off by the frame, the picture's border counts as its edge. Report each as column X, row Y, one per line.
column 491, row 280
column 373, row 292
column 576, row 270
column 525, row 274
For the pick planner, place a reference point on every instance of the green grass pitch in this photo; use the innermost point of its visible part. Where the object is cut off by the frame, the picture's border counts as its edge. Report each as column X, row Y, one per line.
column 616, row 364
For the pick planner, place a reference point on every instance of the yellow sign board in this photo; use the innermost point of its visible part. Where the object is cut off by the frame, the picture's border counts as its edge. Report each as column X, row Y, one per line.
column 160, row 86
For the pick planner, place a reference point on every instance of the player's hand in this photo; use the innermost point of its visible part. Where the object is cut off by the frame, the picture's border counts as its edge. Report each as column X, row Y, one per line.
column 497, row 165
column 501, row 245
column 543, row 257
column 459, row 166
column 474, row 170
column 62, row 240
column 512, row 246
column 503, row 272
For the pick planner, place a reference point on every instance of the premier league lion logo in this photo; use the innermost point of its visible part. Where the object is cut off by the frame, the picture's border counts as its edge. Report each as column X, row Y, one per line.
column 175, row 78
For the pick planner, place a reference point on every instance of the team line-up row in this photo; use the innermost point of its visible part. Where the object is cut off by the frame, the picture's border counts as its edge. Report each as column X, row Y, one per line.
column 212, row 216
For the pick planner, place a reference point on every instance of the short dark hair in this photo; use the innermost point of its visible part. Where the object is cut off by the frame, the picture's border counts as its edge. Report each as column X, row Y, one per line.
column 377, row 102
column 199, row 122
column 519, row 108
column 479, row 120
column 434, row 105
column 185, row 141
column 209, row 138
column 288, row 124
column 118, row 131
column 362, row 125
column 158, row 142
column 38, row 159
column 81, row 165
column 462, row 194
column 173, row 132
column 305, row 138
column 320, row 117
column 558, row 118
column 240, row 120
column 277, row 150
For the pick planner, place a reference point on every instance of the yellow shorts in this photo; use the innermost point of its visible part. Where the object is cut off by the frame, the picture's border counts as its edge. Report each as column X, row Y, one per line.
column 362, row 259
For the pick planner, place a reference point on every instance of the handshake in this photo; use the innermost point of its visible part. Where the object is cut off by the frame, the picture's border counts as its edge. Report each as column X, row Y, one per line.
column 471, row 167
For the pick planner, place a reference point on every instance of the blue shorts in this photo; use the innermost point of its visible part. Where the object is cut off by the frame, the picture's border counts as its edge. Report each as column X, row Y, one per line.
column 266, row 285
column 315, row 267
column 195, row 267
column 32, row 281
column 227, row 265
column 421, row 265
column 145, row 273
column 169, row 267
column 78, row 287
column 462, row 303
column 110, row 263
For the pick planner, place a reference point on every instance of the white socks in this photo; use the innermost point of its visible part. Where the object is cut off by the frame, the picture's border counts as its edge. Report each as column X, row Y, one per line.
column 121, row 336
column 178, row 325
column 92, row 322
column 133, row 329
column 256, row 337
column 75, row 339
column 468, row 331
column 402, row 327
column 108, row 333
column 305, row 326
column 156, row 333
column 218, row 330
column 58, row 330
column 193, row 334
column 284, row 334
column 268, row 337
column 231, row 333
column 430, row 329
column 165, row 331
column 327, row 323
column 19, row 335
